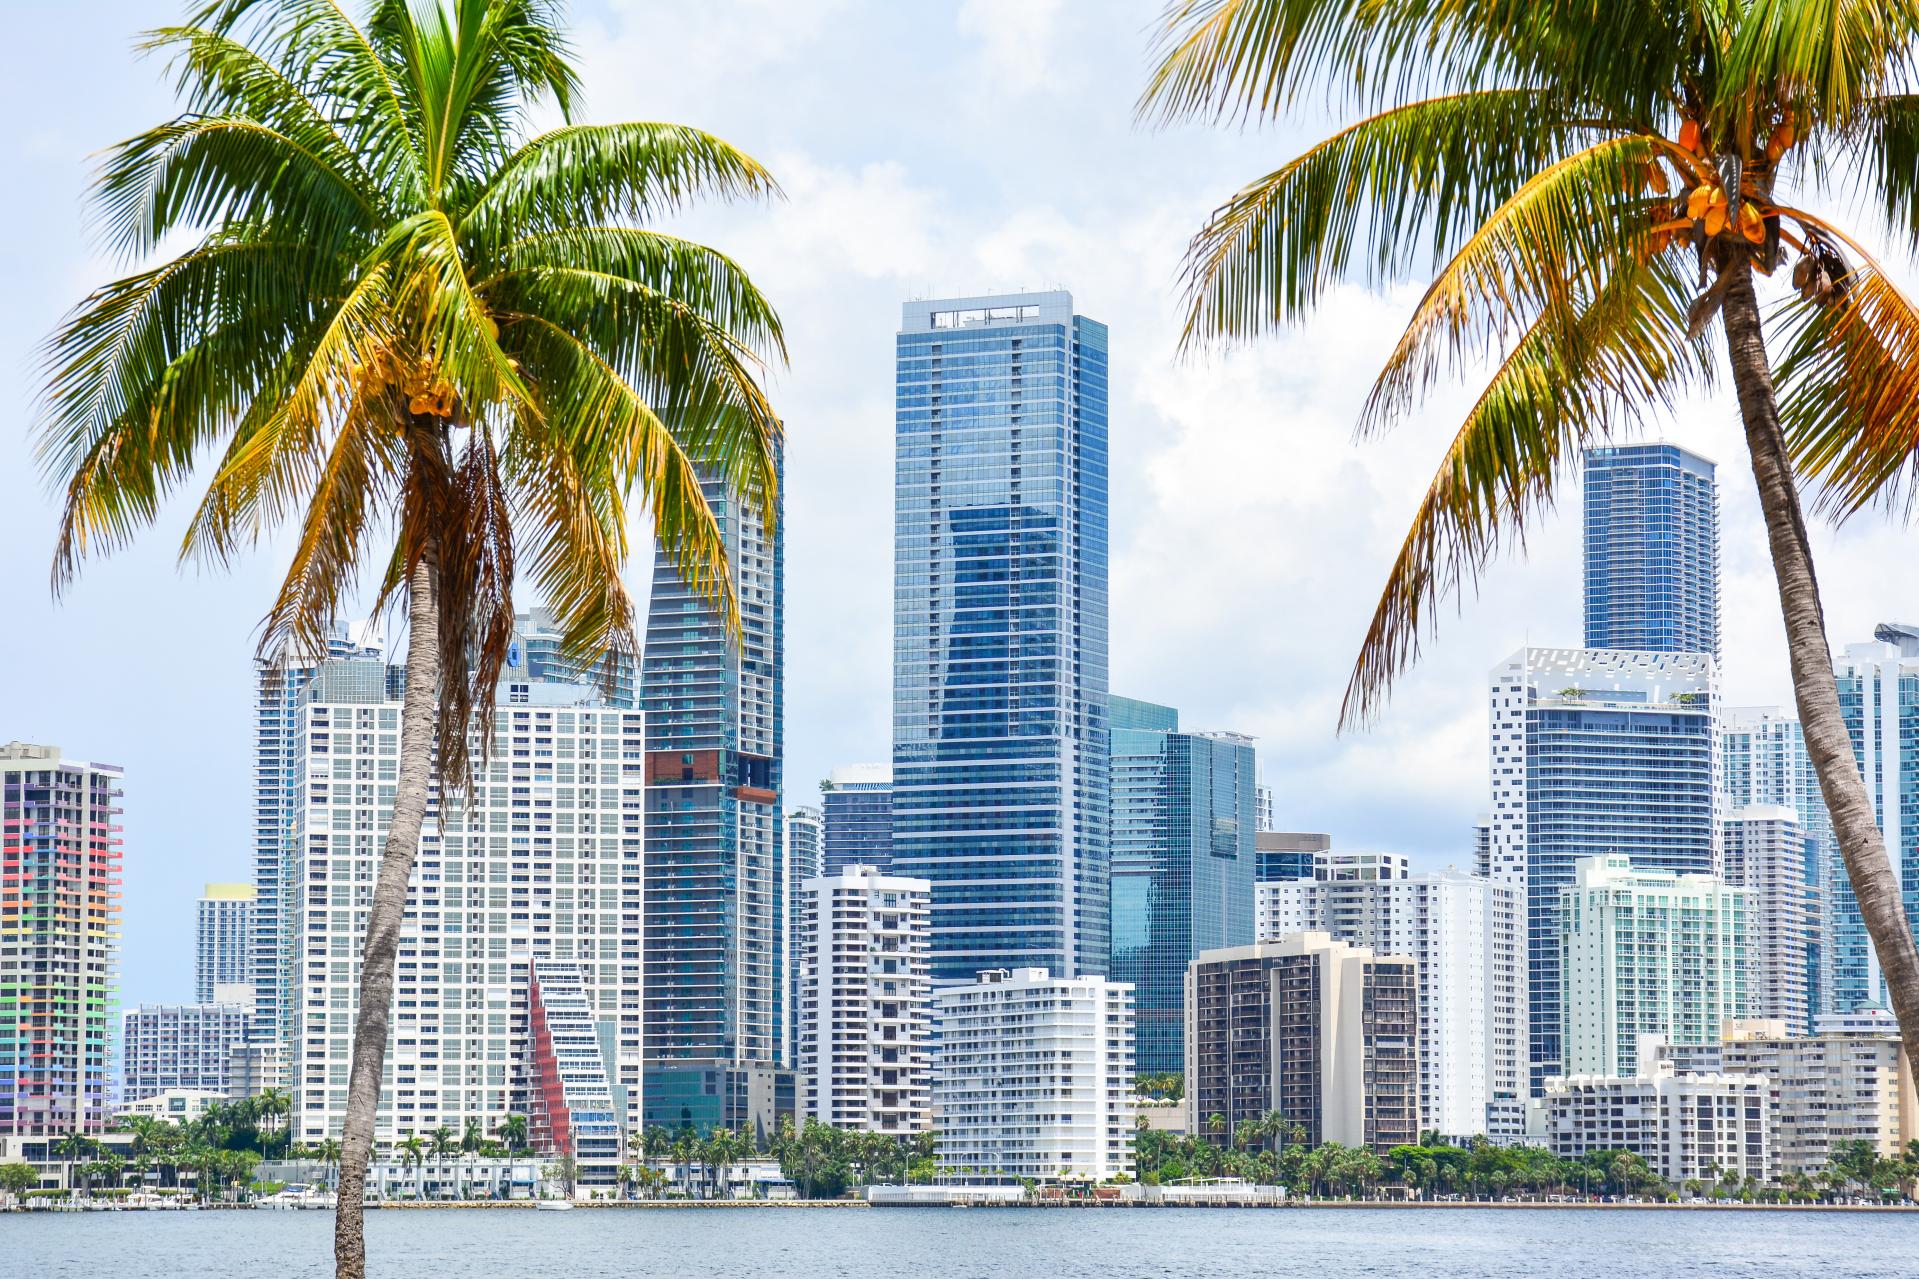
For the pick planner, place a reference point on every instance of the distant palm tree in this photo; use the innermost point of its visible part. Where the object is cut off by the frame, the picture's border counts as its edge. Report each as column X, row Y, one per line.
column 426, row 342
column 512, row 1131
column 329, row 1153
column 412, row 1151
column 1600, row 184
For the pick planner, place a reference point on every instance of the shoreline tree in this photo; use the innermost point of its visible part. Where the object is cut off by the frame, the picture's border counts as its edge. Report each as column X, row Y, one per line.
column 1599, row 196
column 429, row 344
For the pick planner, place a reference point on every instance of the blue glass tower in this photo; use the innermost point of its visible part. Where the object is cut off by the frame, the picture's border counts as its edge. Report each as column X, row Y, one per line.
column 1595, row 753
column 1183, row 863
column 856, row 804
column 1652, row 550
column 999, row 631
column 715, row 991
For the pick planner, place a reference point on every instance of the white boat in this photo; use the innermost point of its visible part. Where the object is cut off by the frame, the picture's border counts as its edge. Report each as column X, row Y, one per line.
column 554, row 1205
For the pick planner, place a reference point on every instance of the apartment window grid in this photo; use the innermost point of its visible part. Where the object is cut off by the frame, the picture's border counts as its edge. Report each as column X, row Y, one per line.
column 541, row 860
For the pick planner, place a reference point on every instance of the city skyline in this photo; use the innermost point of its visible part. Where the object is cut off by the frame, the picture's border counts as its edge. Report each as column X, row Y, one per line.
column 913, row 203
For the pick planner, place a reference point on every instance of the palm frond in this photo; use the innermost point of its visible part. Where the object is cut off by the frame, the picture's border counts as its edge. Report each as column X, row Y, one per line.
column 1407, row 182
column 1590, row 364
column 1825, row 57
column 1560, row 236
column 1883, row 142
column 1849, row 389
column 591, row 175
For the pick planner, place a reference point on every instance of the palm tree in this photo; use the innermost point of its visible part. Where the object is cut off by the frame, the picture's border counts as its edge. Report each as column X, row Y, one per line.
column 329, row 1153
column 1580, row 189
column 425, row 342
column 443, row 1144
column 412, row 1151
column 512, row 1131
column 472, row 1142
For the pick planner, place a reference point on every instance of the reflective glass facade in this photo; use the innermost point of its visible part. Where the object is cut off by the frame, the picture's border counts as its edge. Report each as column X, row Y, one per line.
column 856, row 804
column 1652, row 550
column 1183, row 862
column 1879, row 696
column 1593, row 754
column 716, row 892
column 1000, row 631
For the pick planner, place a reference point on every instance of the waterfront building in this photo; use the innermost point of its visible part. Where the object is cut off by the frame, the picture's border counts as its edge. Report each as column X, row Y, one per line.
column 1325, row 1033
column 1281, row 854
column 1765, row 853
column 175, row 1105
column 1033, row 1076
column 59, row 940
column 1847, row 1081
column 278, row 685
column 856, row 805
column 1686, row 1127
column 574, row 1106
column 1879, row 696
column 1462, row 932
column 223, row 932
column 1263, row 811
column 717, row 1033
column 865, row 1002
column 1647, row 952
column 1183, row 863
column 1000, row 631
column 1651, row 550
column 169, row 1046
column 254, row 1068
column 1594, row 753
column 539, row 860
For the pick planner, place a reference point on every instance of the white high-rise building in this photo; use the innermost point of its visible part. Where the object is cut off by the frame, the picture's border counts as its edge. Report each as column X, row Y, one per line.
column 1647, row 952
column 865, row 1003
column 1463, row 931
column 1033, row 1076
column 1766, row 855
column 1763, row 762
column 1595, row 752
column 169, row 1046
column 805, row 837
column 540, row 861
column 224, row 932
column 277, row 690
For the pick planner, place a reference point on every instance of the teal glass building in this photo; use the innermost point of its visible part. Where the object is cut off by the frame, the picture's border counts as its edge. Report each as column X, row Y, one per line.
column 1000, row 786
column 1183, row 864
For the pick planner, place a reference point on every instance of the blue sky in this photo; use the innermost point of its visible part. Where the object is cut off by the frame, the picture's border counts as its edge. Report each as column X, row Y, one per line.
column 936, row 146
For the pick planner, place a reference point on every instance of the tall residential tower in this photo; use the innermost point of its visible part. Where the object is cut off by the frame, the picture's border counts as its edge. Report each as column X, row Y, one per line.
column 716, row 882
column 1000, row 631
column 1652, row 550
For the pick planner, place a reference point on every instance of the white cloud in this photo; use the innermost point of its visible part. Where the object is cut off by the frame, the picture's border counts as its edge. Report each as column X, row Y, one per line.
column 1017, row 51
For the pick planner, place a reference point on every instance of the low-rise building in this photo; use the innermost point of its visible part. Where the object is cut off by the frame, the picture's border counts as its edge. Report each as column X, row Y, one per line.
column 865, row 1002
column 1319, row 1031
column 177, row 1105
column 1033, row 1076
column 165, row 1047
column 1848, row 1082
column 1685, row 1127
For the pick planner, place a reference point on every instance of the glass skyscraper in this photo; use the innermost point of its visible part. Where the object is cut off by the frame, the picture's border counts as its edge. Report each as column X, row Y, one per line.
column 856, row 806
column 1595, row 754
column 1000, row 631
column 716, row 993
column 1183, row 863
column 1652, row 550
column 1879, row 696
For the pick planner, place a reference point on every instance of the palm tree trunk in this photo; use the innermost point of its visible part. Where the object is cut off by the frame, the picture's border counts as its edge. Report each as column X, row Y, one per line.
column 418, row 725
column 1827, row 740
